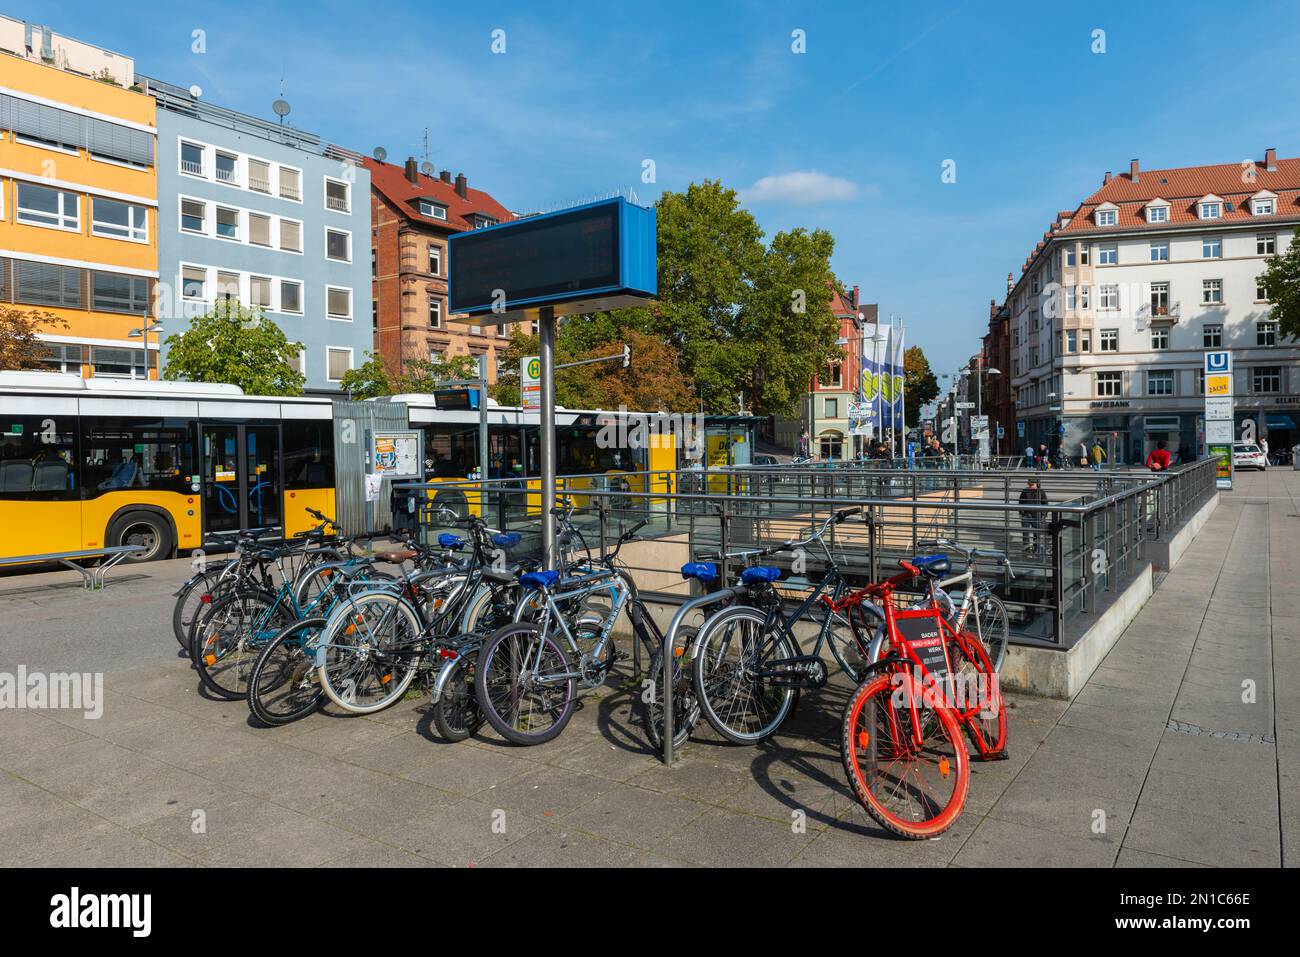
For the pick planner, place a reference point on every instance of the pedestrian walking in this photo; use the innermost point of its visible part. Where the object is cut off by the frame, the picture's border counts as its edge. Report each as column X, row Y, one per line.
column 1031, row 522
column 1029, row 456
column 1158, row 460
column 1098, row 455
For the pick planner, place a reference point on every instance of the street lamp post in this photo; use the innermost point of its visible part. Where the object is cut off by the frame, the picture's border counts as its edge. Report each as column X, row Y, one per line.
column 143, row 333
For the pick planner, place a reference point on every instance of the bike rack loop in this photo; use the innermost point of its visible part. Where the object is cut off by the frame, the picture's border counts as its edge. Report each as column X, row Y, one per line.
column 666, row 676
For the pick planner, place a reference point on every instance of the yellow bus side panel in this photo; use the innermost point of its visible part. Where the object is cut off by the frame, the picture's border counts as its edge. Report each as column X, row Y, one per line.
column 39, row 528
column 296, row 503
column 184, row 510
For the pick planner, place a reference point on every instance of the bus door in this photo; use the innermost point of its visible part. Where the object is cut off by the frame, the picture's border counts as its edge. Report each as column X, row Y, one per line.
column 241, row 477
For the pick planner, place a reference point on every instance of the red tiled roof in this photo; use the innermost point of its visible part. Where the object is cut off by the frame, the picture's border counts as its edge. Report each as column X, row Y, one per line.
column 391, row 181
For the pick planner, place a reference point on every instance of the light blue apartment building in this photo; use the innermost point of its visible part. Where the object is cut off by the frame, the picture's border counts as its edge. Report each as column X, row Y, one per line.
column 271, row 216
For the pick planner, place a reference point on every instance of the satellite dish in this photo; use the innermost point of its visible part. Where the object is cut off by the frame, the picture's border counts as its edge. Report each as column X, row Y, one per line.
column 196, row 91
column 381, row 154
column 426, row 168
column 281, row 108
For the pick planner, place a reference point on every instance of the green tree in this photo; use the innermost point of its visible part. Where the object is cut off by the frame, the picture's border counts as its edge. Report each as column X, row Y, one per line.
column 368, row 380
column 920, row 385
column 235, row 344
column 1281, row 284
column 20, row 347
column 375, row 378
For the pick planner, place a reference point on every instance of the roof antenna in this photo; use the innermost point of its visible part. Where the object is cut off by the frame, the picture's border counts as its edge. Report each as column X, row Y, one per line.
column 281, row 105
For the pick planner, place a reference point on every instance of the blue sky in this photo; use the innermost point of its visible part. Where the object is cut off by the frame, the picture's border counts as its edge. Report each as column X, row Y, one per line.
column 883, row 95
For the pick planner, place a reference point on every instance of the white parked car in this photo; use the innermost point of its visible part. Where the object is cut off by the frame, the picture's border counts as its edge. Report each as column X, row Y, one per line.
column 1248, row 455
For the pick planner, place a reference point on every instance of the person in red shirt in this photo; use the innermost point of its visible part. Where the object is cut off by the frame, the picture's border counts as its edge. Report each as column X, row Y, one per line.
column 1158, row 460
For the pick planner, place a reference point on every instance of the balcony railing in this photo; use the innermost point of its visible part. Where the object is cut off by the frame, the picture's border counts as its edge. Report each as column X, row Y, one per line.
column 289, row 191
column 259, row 183
column 336, row 203
column 227, row 175
column 1170, row 311
column 194, row 169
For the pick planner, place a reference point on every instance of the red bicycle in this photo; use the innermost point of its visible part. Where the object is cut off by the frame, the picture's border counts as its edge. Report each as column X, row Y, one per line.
column 901, row 741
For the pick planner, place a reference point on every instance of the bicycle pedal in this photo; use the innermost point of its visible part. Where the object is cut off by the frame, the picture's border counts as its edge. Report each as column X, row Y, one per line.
column 621, row 655
column 1002, row 755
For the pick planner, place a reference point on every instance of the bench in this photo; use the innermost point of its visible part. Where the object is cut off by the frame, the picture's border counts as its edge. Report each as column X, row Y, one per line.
column 91, row 578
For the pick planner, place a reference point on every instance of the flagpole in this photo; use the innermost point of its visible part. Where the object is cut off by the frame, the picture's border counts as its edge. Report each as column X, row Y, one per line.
column 902, row 378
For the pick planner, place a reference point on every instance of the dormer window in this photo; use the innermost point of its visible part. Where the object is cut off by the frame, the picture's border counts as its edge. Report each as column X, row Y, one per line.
column 1107, row 217
column 481, row 221
column 432, row 210
column 1263, row 207
column 1211, row 208
column 1157, row 211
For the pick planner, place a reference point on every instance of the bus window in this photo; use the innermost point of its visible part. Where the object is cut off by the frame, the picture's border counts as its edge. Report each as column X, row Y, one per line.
column 308, row 453
column 120, row 453
column 38, row 458
column 450, row 451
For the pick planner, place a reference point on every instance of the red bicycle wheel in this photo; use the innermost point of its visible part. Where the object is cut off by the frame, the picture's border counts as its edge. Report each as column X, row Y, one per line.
column 975, row 694
column 913, row 785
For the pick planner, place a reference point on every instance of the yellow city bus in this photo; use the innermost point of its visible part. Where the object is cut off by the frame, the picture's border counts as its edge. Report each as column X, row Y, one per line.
column 172, row 466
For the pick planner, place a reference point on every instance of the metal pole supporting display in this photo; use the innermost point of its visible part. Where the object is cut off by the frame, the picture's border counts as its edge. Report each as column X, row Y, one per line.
column 546, row 338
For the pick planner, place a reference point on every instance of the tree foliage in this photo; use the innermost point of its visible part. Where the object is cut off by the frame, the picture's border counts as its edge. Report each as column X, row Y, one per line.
column 233, row 343
column 920, row 385
column 375, row 377
column 1281, row 284
column 19, row 346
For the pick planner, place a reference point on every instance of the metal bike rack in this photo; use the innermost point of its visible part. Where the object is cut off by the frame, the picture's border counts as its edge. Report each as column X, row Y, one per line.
column 670, row 640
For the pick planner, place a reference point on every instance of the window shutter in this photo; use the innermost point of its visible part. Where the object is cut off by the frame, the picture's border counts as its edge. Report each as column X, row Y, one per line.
column 47, row 284
column 119, row 142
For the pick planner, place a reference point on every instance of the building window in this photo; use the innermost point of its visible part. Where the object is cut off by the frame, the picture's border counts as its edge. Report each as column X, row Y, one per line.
column 1160, row 382
column 1159, row 339
column 60, row 358
column 338, row 302
column 227, row 223
column 290, row 184
column 191, row 159
column 194, row 281
column 1108, row 254
column 43, row 206
column 338, row 245
column 1108, row 340
column 1266, row 333
column 193, row 216
column 1071, row 340
column 1266, row 244
column 1033, row 320
column 290, row 296
column 1211, row 247
column 1160, row 299
column 1071, row 298
column 1034, row 284
column 1069, row 255
column 338, row 196
column 1109, row 384
column 1212, row 335
column 259, row 291
column 374, row 313
column 118, row 363
column 1261, row 294
column 1157, row 214
column 1160, row 250
column 1212, row 291
column 433, row 210
column 1085, row 340
column 435, row 312
column 227, row 168
column 337, row 362
column 259, row 176
column 1085, row 294
column 1211, row 210
column 291, row 235
column 831, row 409
column 259, row 229
column 435, row 259
column 118, row 220
column 112, row 292
column 1085, row 254
column 227, row 286
column 1108, row 297
column 1266, row 380
column 1264, row 207
column 1106, row 217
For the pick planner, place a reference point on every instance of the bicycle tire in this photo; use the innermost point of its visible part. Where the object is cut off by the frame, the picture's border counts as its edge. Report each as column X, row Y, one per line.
column 985, row 721
column 707, row 678
column 941, row 739
column 232, row 637
column 185, row 609
column 348, row 659
column 994, row 629
column 495, row 689
column 686, row 710
column 278, row 665
column 457, row 714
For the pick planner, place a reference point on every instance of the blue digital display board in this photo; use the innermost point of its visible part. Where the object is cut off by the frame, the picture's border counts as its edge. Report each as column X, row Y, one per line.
column 585, row 259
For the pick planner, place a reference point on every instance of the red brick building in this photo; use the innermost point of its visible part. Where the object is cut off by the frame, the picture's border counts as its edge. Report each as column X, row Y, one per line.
column 412, row 217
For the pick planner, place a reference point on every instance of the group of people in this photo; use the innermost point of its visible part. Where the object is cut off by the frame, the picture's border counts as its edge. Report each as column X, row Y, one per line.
column 1095, row 456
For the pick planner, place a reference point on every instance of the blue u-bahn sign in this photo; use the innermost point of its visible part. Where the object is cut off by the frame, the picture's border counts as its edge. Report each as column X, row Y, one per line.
column 586, row 259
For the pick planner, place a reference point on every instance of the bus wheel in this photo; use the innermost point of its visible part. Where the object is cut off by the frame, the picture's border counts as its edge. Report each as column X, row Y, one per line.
column 142, row 528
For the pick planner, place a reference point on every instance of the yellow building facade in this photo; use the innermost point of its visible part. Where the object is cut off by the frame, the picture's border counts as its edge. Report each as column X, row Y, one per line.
column 79, row 201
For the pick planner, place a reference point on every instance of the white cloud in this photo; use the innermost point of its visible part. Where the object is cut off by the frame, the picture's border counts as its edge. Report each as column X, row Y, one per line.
column 801, row 188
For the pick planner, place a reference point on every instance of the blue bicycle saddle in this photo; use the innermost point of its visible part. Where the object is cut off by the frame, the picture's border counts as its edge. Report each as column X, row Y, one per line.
column 539, row 579
column 507, row 540
column 703, row 571
column 760, row 575
column 932, row 564
column 448, row 540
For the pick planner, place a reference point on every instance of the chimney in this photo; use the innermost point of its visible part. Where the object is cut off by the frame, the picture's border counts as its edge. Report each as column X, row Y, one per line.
column 1011, row 282
column 445, row 176
column 1133, row 172
column 412, row 171
column 1270, row 160
column 1106, row 179
column 462, row 186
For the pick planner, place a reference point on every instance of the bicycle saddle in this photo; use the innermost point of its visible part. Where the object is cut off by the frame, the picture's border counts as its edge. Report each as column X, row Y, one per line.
column 448, row 540
column 760, row 575
column 539, row 579
column 396, row 556
column 508, row 540
column 935, row 565
column 703, row 571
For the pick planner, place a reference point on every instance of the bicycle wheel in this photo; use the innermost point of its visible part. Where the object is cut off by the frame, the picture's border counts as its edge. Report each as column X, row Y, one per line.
column 686, row 710
column 189, row 601
column 524, row 684
column 231, row 637
column 283, row 686
column 733, row 648
column 457, row 714
column 913, row 785
column 975, row 694
column 994, row 628
column 373, row 647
